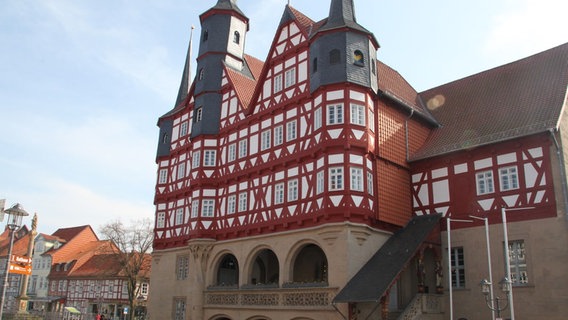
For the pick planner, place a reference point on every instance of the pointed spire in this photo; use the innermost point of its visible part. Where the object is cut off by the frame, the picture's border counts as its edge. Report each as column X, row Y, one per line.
column 341, row 12
column 186, row 78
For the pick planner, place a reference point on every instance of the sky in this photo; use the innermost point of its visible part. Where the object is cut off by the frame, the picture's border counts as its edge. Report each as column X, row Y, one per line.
column 83, row 82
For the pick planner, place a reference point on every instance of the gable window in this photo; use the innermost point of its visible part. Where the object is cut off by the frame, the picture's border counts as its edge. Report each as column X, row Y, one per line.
column 179, row 309
column 198, row 114
column 279, row 193
column 358, row 58
column 265, row 140
column 277, row 83
column 291, row 130
column 181, row 171
column 243, row 148
column 231, row 204
column 232, row 152
column 236, row 37
column 293, row 190
column 208, row 208
column 335, row 114
column 518, row 260
column 336, row 178
column 358, row 114
column 458, row 268
column 209, row 158
column 334, row 56
column 163, row 176
column 357, row 179
column 183, row 129
column 243, row 201
column 179, row 216
column 484, row 182
column 161, row 220
column 182, row 267
column 278, row 135
column 509, row 178
column 290, row 77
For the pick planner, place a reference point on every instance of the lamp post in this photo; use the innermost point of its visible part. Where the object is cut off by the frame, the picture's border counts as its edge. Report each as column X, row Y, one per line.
column 15, row 215
column 496, row 304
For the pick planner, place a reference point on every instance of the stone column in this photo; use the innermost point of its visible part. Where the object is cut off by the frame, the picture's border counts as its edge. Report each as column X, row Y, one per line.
column 200, row 250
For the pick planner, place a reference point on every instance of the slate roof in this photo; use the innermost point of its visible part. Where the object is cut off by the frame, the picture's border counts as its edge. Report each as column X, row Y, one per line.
column 518, row 99
column 380, row 272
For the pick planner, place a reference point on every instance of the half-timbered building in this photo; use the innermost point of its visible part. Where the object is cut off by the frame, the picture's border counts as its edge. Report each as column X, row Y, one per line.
column 311, row 185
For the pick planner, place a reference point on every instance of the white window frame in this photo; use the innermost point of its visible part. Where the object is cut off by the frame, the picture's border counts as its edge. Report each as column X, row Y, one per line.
column 243, row 201
column 209, row 158
column 231, row 204
column 181, row 170
column 289, row 77
column 335, row 114
column 320, row 182
column 196, row 159
column 357, row 179
column 199, row 114
column 518, row 263
column 232, row 152
column 358, row 114
column 277, row 83
column 279, row 193
column 485, row 183
column 336, row 178
column 207, row 208
column 293, row 189
column 179, row 216
column 180, row 306
column 163, row 176
column 458, row 267
column 265, row 138
column 278, row 135
column 195, row 208
column 183, row 129
column 318, row 118
column 182, row 267
column 509, row 178
column 291, row 130
column 243, row 148
column 370, row 183
column 161, row 219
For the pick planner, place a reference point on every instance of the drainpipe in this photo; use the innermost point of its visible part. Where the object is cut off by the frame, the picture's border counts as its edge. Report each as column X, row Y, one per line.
column 562, row 171
column 406, row 134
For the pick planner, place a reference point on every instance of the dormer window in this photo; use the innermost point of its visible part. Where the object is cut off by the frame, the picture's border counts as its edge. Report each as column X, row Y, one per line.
column 358, row 58
column 334, row 56
column 236, row 37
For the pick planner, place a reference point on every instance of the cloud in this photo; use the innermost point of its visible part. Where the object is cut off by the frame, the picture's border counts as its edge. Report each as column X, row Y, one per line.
column 528, row 27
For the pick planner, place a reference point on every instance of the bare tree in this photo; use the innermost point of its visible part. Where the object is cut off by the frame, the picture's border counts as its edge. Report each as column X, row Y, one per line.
column 133, row 244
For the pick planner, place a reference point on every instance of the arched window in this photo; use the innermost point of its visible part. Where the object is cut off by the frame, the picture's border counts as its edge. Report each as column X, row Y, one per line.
column 315, row 65
column 265, row 269
column 205, row 35
column 358, row 58
column 201, row 74
column 236, row 37
column 228, row 271
column 334, row 56
column 310, row 266
column 165, row 137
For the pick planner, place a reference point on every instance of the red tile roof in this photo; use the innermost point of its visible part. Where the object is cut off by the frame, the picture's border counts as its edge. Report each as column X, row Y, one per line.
column 518, row 99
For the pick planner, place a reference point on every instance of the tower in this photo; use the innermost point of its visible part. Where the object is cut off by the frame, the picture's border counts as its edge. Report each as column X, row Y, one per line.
column 342, row 50
column 223, row 31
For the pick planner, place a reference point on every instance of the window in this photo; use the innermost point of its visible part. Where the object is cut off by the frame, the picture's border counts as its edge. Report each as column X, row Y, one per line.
column 243, row 148
column 277, row 83
column 181, row 171
column 243, row 202
column 278, row 135
column 209, row 158
column 315, row 65
column 196, row 160
column 358, row 58
column 205, row 35
column 293, row 190
column 208, row 208
column 231, row 204
column 518, row 263
column 357, row 114
column 265, row 140
column 179, row 309
column 370, row 183
column 335, row 114
column 232, row 152
column 509, row 178
column 458, row 268
column 161, row 220
column 182, row 267
column 373, row 66
column 183, row 129
column 357, row 179
column 165, row 138
column 179, row 216
column 320, row 182
column 290, row 77
column 484, row 182
column 163, row 176
column 195, row 208
column 198, row 113
column 201, row 74
column 334, row 56
column 144, row 288
column 236, row 37
column 279, row 193
column 336, row 178
column 317, row 119
column 291, row 130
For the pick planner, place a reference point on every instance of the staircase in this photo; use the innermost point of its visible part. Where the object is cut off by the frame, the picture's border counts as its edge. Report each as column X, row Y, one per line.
column 424, row 306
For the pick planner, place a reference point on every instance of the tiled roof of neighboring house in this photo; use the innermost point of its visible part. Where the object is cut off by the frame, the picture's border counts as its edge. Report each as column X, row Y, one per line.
column 518, row 99
column 107, row 265
column 21, row 242
column 63, row 265
column 69, row 233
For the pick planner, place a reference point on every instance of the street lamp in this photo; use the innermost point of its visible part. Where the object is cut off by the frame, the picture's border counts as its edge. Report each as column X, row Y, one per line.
column 495, row 304
column 15, row 216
